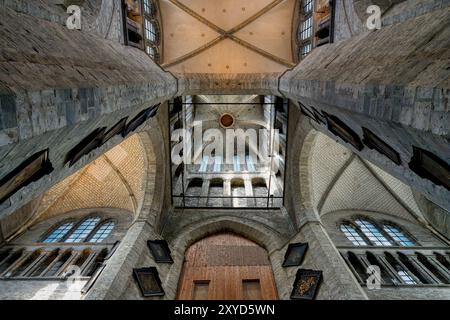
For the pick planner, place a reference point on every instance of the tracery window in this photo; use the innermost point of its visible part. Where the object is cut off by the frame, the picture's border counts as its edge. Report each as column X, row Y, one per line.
column 363, row 232
column 372, row 233
column 353, row 235
column 149, row 7
column 83, row 230
column 151, row 30
column 102, row 232
column 90, row 229
column 398, row 236
column 305, row 29
column 59, row 233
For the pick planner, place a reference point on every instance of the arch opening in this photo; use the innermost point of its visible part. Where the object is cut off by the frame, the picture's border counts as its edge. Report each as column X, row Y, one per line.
column 225, row 266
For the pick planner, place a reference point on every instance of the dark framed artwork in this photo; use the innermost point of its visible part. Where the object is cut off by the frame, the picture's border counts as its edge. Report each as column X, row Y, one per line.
column 31, row 170
column 340, row 129
column 149, row 282
column 429, row 166
column 89, row 143
column 140, row 119
column 372, row 141
column 160, row 251
column 306, row 285
column 295, row 254
column 118, row 128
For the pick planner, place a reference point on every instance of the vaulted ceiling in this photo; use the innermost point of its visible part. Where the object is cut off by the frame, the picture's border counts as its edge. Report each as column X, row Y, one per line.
column 343, row 181
column 227, row 36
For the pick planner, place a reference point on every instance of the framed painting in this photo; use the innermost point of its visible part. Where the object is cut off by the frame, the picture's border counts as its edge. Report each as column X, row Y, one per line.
column 140, row 119
column 89, row 143
column 306, row 285
column 340, row 129
column 429, row 166
column 31, row 170
column 118, row 128
column 295, row 254
column 160, row 251
column 372, row 141
column 149, row 282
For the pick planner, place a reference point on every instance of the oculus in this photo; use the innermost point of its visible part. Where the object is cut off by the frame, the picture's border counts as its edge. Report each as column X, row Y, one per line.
column 160, row 251
column 372, row 141
column 89, row 143
column 138, row 120
column 31, row 170
column 149, row 282
column 429, row 166
column 226, row 120
column 295, row 254
column 340, row 129
column 306, row 284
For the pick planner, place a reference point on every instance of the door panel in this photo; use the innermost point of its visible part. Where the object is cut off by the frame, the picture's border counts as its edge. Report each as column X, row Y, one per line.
column 227, row 267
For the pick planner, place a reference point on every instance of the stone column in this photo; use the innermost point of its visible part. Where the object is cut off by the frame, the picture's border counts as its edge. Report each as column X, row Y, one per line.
column 249, row 193
column 205, row 192
column 227, row 193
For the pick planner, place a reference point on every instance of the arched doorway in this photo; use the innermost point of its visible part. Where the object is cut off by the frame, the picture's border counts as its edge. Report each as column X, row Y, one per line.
column 226, row 267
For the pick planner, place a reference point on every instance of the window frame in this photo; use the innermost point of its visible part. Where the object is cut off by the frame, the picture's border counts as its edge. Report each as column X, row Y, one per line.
column 54, row 227
column 78, row 224
column 305, row 45
column 379, row 225
column 407, row 234
column 350, row 223
column 97, row 228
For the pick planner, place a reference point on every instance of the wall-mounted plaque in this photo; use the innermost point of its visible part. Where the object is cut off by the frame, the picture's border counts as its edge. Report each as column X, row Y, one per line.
column 160, row 251
column 31, row 170
column 295, row 254
column 372, row 141
column 149, row 282
column 429, row 166
column 140, row 119
column 118, row 128
column 306, row 284
column 340, row 129
column 89, row 143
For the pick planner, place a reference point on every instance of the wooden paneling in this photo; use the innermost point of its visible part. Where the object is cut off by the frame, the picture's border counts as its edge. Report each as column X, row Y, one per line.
column 232, row 267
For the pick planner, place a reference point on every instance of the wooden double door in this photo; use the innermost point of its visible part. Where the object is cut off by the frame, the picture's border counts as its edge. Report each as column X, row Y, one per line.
column 226, row 267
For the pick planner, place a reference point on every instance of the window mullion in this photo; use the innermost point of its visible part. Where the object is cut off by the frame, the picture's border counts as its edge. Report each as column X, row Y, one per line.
column 16, row 264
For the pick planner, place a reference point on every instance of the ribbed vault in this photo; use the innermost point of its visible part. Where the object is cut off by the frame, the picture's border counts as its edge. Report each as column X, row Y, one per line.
column 202, row 36
column 114, row 180
column 343, row 181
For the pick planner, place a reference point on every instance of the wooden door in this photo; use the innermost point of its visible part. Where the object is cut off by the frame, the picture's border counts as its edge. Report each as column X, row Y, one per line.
column 226, row 267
